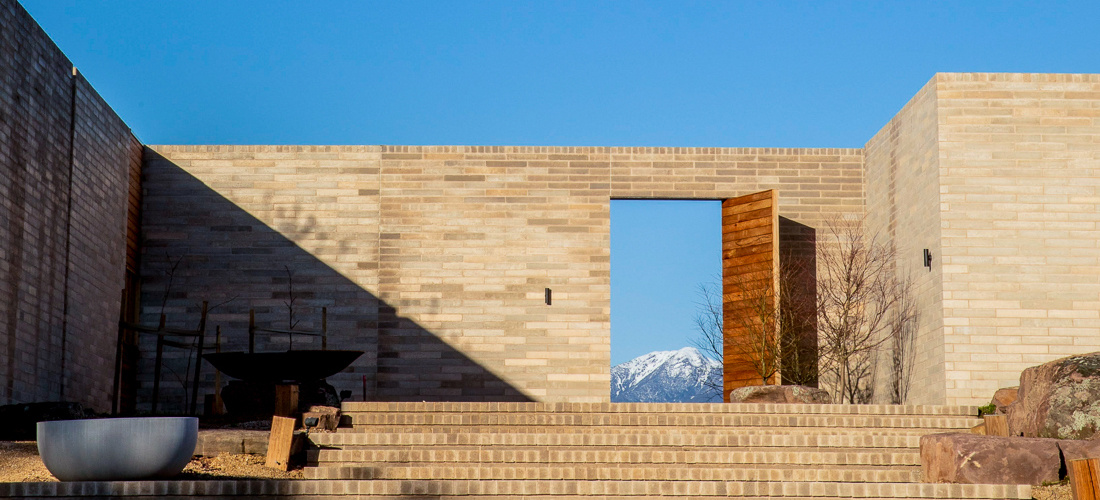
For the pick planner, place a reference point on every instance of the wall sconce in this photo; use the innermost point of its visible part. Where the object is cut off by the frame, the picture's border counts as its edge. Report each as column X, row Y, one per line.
column 548, row 296
column 928, row 259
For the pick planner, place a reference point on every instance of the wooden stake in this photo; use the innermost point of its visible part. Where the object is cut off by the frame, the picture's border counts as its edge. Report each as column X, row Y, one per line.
column 279, row 443
column 286, row 400
column 1084, row 478
column 219, row 407
column 996, row 425
column 156, row 364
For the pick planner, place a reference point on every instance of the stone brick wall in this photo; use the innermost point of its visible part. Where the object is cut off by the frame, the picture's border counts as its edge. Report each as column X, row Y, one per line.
column 60, row 255
column 434, row 260
column 1020, row 212
column 903, row 211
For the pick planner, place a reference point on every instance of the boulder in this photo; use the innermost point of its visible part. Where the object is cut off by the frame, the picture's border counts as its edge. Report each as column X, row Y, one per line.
column 780, row 394
column 1075, row 449
column 322, row 417
column 1059, row 399
column 973, row 459
column 20, row 420
column 1004, row 397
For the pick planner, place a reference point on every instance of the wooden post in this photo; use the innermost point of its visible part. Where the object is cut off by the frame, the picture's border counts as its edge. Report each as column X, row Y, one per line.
column 198, row 361
column 324, row 328
column 251, row 331
column 279, row 443
column 117, row 390
column 156, row 363
column 218, row 405
column 286, row 399
column 996, row 425
column 1084, row 478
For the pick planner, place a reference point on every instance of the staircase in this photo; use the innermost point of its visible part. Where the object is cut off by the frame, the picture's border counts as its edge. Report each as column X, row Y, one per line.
column 673, row 450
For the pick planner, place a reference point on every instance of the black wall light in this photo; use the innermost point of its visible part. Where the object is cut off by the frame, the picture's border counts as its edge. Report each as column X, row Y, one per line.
column 547, row 296
column 928, row 259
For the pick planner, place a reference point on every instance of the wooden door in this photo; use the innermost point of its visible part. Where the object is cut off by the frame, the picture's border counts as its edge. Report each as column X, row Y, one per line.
column 750, row 259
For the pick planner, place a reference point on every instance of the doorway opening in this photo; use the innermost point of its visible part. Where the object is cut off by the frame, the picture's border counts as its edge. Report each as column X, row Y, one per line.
column 663, row 254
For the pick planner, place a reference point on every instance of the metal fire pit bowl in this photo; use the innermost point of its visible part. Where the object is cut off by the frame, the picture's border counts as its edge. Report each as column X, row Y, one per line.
column 298, row 366
column 117, row 449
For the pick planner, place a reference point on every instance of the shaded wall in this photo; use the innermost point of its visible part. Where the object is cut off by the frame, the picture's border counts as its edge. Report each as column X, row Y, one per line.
column 64, row 156
column 903, row 211
column 434, row 259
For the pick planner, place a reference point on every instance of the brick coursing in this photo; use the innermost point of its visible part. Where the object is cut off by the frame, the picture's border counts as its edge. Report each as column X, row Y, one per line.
column 434, row 259
column 1020, row 218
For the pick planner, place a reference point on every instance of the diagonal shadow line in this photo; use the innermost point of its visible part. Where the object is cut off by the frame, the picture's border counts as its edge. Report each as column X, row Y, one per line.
column 227, row 252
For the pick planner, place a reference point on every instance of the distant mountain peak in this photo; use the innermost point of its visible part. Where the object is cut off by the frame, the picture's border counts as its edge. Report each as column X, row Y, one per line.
column 667, row 376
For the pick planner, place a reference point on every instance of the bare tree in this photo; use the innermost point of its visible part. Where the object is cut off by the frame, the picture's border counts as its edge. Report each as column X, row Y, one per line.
column 903, row 327
column 857, row 292
column 708, row 323
column 775, row 340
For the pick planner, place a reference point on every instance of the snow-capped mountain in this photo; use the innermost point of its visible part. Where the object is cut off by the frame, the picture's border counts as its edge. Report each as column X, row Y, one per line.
column 667, row 377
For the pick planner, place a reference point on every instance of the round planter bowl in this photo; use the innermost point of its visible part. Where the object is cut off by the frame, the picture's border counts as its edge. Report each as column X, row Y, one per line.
column 117, row 449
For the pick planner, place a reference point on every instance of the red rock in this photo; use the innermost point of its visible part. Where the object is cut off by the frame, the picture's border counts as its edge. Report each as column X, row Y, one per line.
column 1073, row 449
column 780, row 394
column 1004, row 397
column 1059, row 399
column 973, row 459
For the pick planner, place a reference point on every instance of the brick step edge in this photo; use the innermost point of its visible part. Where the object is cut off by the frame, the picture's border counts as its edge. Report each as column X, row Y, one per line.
column 891, row 474
column 352, row 407
column 634, row 430
column 743, row 441
column 511, row 489
column 652, row 421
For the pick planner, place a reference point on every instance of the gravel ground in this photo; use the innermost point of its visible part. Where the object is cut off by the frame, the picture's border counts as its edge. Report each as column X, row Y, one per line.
column 19, row 462
column 1052, row 492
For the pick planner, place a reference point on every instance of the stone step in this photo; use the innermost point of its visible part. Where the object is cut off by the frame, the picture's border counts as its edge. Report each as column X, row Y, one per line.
column 485, row 490
column 740, row 439
column 362, row 420
column 638, row 430
column 609, row 472
column 351, row 407
column 528, row 455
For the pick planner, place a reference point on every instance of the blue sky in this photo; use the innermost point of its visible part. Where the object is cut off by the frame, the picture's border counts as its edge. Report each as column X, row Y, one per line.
column 761, row 74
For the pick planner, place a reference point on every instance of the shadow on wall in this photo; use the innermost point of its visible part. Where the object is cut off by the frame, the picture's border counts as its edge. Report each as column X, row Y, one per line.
column 798, row 267
column 200, row 246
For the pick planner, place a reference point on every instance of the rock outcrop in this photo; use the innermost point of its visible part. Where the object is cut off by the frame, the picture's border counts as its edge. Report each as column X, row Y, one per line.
column 1059, row 399
column 780, row 394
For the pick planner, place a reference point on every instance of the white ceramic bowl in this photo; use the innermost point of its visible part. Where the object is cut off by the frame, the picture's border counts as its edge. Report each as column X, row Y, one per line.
column 117, row 449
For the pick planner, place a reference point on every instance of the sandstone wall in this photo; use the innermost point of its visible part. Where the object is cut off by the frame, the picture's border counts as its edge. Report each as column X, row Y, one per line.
column 63, row 160
column 1020, row 209
column 434, row 259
